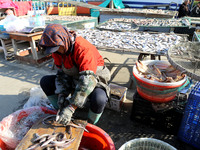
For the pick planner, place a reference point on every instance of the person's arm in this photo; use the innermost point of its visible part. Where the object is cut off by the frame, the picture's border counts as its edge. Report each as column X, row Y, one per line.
column 86, row 84
column 86, row 61
column 86, row 58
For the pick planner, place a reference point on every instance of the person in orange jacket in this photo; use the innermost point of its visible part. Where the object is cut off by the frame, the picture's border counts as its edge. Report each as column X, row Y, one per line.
column 82, row 74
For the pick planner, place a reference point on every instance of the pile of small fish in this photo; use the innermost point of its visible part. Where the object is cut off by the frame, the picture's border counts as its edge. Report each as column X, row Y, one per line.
column 131, row 41
column 146, row 11
column 162, row 22
column 116, row 26
column 153, row 72
column 67, row 18
column 152, row 22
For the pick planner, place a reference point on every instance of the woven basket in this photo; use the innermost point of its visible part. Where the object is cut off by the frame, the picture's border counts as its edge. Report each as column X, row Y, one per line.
column 146, row 144
column 155, row 91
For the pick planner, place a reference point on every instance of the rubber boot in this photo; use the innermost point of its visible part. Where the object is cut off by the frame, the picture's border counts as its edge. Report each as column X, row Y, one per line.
column 93, row 117
column 53, row 99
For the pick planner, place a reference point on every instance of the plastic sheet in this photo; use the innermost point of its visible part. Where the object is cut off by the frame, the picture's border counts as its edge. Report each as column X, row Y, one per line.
column 13, row 23
column 37, row 98
column 14, row 127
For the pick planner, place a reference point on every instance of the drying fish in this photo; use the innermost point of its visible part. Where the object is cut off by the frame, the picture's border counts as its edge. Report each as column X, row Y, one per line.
column 68, row 130
column 179, row 77
column 114, row 25
column 158, row 43
column 153, row 72
column 49, row 120
column 39, row 138
column 55, row 140
column 146, row 11
column 33, row 146
column 169, row 79
column 141, row 67
column 49, row 139
column 67, row 18
column 170, row 68
column 125, row 23
column 60, row 145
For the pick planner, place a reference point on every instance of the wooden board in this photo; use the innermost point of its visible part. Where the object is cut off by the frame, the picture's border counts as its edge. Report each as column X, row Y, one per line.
column 41, row 129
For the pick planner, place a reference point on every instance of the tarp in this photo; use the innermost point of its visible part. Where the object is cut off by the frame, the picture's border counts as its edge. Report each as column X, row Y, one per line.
column 7, row 4
column 23, row 7
column 117, row 3
column 95, row 12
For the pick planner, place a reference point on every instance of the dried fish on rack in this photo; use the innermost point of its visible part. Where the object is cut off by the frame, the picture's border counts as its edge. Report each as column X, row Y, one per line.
column 116, row 26
column 142, row 41
column 151, row 22
column 66, row 18
column 147, row 11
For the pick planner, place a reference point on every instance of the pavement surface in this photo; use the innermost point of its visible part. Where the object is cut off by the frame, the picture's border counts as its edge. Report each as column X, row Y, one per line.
column 16, row 80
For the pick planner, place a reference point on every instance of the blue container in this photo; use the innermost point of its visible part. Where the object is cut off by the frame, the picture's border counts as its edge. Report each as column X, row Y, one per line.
column 189, row 131
column 6, row 35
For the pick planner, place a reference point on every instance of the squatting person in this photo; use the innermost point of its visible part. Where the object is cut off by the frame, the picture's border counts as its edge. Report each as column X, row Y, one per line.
column 82, row 74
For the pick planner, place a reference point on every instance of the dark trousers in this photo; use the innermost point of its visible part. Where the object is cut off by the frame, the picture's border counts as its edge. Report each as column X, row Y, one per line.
column 98, row 98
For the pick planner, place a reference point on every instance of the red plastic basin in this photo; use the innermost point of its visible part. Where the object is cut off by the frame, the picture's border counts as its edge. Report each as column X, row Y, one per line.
column 96, row 139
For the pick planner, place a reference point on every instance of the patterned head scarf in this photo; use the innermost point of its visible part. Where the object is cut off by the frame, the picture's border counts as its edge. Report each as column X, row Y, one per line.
column 57, row 35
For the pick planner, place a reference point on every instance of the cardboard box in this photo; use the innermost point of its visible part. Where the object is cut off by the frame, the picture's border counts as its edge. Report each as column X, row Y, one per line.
column 117, row 97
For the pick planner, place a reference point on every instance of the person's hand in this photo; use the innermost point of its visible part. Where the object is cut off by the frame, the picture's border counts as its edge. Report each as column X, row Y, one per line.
column 64, row 115
column 62, row 101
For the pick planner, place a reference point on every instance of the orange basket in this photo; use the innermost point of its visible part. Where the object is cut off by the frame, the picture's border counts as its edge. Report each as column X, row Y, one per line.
column 155, row 91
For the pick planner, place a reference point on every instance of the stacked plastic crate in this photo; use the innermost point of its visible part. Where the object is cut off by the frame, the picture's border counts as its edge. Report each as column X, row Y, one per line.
column 189, row 131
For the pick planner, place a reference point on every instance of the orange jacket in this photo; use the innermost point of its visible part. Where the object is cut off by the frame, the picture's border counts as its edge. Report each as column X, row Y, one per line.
column 85, row 56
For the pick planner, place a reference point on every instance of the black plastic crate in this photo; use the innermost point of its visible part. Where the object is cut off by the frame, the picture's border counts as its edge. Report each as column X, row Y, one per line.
column 167, row 120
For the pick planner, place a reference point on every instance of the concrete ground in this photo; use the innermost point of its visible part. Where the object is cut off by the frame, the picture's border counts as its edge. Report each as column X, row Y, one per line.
column 16, row 79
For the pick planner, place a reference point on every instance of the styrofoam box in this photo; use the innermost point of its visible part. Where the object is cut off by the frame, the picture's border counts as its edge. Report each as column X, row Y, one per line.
column 117, row 97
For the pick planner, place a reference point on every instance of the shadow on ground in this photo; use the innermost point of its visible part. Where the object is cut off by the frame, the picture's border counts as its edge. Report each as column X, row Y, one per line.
column 121, row 129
